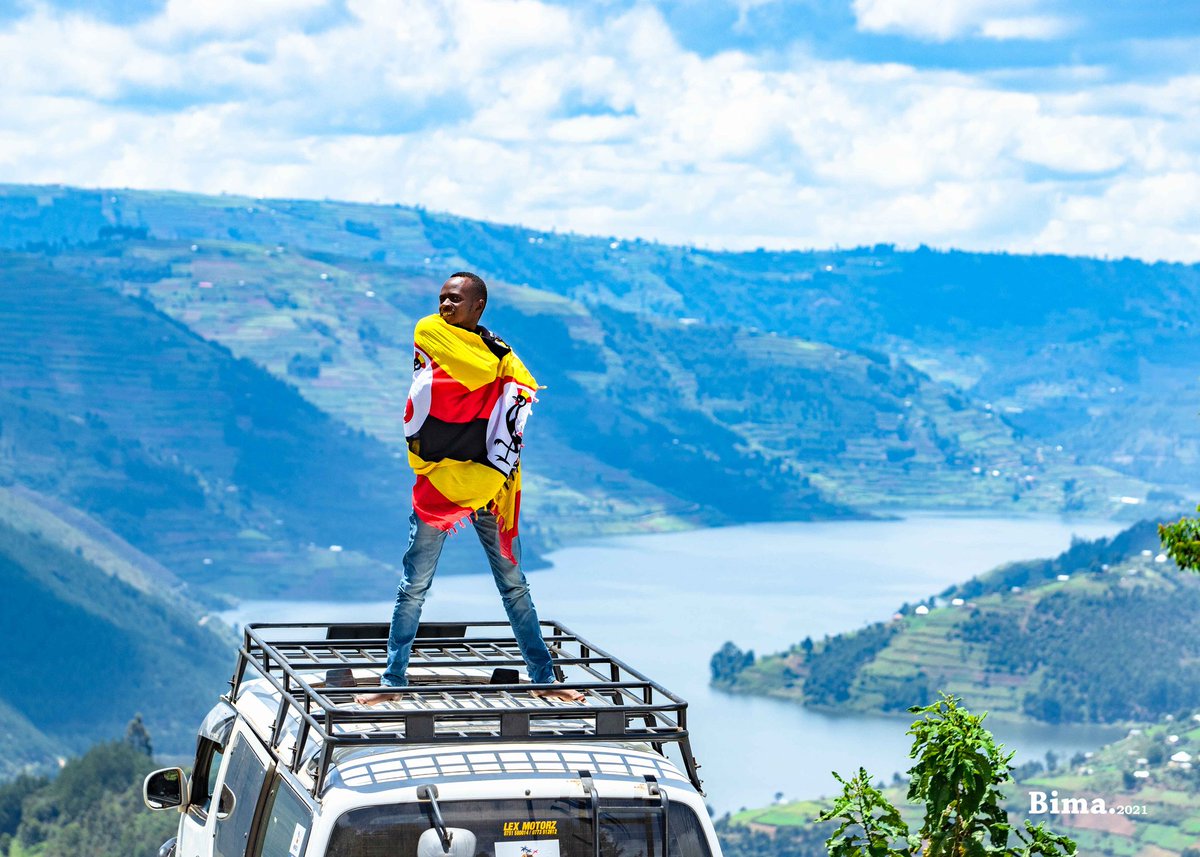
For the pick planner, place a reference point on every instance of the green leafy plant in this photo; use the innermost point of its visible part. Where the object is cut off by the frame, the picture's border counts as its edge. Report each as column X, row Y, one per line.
column 957, row 778
column 1181, row 540
column 871, row 826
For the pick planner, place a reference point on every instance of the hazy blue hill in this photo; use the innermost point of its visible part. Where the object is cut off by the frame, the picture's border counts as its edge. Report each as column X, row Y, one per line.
column 308, row 320
column 84, row 651
column 23, row 746
column 42, row 217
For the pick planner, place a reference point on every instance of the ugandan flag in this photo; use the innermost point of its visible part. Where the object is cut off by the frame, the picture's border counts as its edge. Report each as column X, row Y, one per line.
column 464, row 420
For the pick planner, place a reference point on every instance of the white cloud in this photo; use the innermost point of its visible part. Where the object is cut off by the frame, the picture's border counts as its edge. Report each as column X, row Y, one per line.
column 51, row 55
column 526, row 112
column 1084, row 144
column 491, row 31
column 1159, row 208
column 1036, row 27
column 943, row 20
column 594, row 129
column 184, row 18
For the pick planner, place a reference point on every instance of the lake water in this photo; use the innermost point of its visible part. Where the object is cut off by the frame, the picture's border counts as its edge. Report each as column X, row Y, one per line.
column 665, row 603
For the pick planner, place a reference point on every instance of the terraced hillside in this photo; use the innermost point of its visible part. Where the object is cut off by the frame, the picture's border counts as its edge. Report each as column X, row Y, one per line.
column 1091, row 355
column 761, row 427
column 1102, row 634
column 1094, row 356
column 202, row 460
column 643, row 346
column 348, row 351
column 226, row 376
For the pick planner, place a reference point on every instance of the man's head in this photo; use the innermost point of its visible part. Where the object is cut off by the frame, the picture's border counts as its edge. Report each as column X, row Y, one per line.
column 462, row 300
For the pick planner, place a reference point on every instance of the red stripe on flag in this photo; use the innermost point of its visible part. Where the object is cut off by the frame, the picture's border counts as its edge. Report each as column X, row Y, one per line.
column 433, row 507
column 454, row 403
column 506, row 533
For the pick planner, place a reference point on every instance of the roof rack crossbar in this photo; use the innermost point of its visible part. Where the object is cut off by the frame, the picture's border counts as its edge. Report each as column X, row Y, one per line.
column 420, row 692
column 368, row 662
column 419, row 642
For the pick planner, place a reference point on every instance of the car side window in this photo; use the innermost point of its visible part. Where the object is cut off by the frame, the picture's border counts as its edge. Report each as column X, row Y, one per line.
column 244, row 779
column 288, row 820
column 204, row 778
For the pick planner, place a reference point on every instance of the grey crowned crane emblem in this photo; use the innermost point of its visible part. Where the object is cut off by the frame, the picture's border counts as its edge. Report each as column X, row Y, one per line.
column 512, row 446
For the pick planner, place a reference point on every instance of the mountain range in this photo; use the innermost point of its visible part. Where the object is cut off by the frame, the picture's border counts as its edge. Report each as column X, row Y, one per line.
column 202, row 398
column 220, row 380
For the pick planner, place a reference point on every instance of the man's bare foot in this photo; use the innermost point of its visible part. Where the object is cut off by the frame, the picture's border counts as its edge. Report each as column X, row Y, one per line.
column 566, row 694
column 375, row 698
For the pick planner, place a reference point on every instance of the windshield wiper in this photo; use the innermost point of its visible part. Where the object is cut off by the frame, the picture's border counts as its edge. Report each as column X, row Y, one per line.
column 430, row 793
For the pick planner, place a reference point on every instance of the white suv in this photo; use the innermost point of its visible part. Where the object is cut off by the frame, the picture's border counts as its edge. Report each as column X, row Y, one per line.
column 464, row 762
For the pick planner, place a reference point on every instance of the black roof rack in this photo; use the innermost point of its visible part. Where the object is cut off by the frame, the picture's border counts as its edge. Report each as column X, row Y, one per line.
column 452, row 698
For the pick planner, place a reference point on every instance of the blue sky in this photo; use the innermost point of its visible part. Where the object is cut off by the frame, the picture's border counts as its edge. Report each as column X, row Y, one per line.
column 1021, row 125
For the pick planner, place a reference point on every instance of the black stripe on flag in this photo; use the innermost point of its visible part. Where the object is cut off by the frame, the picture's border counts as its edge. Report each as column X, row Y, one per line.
column 457, row 441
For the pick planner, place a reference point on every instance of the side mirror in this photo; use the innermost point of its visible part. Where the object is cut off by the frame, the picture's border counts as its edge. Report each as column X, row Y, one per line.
column 165, row 788
column 462, row 843
column 226, row 804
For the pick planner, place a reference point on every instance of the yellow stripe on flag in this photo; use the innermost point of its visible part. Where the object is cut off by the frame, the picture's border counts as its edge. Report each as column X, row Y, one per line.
column 464, row 357
column 473, row 364
column 467, row 483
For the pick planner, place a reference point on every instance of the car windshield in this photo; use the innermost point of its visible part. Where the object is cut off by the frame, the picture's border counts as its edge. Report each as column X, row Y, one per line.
column 523, row 828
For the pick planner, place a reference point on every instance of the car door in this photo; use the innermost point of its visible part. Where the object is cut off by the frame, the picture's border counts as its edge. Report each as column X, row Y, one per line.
column 198, row 822
column 239, row 798
column 287, row 819
column 195, row 831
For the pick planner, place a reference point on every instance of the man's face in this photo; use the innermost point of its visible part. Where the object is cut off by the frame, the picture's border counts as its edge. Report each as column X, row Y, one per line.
column 460, row 303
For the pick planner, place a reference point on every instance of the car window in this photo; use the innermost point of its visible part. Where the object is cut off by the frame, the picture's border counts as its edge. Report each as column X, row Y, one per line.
column 288, row 821
column 518, row 828
column 244, row 778
column 204, row 778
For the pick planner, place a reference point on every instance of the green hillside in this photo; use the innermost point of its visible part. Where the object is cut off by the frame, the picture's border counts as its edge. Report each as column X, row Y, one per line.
column 1054, row 641
column 761, row 427
column 68, row 528
column 85, row 650
column 92, row 806
column 1154, row 801
column 351, row 355
column 221, row 380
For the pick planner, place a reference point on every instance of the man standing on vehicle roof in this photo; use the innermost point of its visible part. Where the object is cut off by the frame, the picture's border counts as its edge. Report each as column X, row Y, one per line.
column 464, row 421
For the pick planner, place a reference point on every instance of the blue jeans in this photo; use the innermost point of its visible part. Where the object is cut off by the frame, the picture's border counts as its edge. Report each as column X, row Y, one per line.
column 420, row 562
